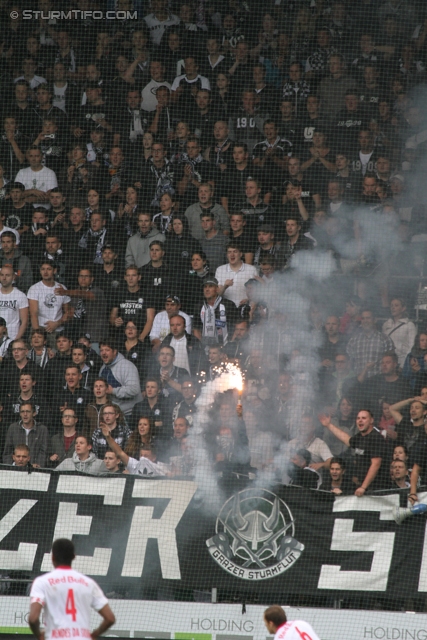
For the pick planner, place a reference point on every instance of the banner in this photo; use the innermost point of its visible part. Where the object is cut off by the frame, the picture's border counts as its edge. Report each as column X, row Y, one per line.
column 197, row 621
column 159, row 538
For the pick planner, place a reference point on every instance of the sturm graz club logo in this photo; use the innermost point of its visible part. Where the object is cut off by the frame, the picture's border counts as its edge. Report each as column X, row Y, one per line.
column 254, row 537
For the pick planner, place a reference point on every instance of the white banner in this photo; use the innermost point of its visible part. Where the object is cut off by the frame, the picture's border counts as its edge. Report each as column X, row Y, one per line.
column 205, row 621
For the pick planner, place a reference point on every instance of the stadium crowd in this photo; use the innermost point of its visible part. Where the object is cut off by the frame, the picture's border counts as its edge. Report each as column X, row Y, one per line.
column 159, row 177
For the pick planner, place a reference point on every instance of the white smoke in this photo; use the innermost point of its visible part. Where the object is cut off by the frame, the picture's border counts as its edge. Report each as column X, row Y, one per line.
column 290, row 337
column 209, row 494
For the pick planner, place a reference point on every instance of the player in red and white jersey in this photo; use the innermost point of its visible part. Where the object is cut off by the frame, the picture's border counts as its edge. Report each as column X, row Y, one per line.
column 67, row 597
column 276, row 622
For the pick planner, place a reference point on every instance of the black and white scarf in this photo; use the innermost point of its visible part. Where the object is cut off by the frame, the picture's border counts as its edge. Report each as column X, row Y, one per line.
column 209, row 320
column 91, row 238
column 219, row 158
column 164, row 177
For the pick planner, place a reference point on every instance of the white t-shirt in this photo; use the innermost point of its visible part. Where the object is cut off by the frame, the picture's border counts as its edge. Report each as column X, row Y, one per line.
column 148, row 95
column 34, row 82
column 157, row 27
column 204, row 82
column 59, row 96
column 145, row 467
column 318, row 448
column 50, row 305
column 161, row 325
column 4, row 346
column 181, row 353
column 10, row 305
column 43, row 180
column 364, row 159
column 237, row 292
column 296, row 630
column 67, row 597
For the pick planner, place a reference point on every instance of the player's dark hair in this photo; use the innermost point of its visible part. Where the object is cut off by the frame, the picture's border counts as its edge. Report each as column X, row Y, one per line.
column 276, row 615
column 63, row 551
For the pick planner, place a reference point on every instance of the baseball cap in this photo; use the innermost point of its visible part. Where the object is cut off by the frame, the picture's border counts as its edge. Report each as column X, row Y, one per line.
column 398, row 176
column 210, row 280
column 173, row 298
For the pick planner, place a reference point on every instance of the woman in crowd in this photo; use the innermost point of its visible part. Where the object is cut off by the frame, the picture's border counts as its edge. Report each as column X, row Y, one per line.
column 140, row 438
column 180, row 245
column 96, row 204
column 223, row 99
column 414, row 365
column 134, row 350
column 127, row 215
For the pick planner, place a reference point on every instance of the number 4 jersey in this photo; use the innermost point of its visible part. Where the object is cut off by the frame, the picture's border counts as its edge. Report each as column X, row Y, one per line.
column 296, row 630
column 67, row 597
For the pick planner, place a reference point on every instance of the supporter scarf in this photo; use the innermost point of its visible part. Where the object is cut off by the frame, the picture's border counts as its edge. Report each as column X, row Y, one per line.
column 44, row 357
column 114, row 173
column 225, row 444
column 271, row 251
column 135, row 125
column 193, row 162
column 4, row 346
column 218, row 151
column 209, row 324
column 70, row 58
column 16, row 136
column 202, row 275
column 97, row 237
column 96, row 153
column 164, row 177
column 109, row 378
column 162, row 222
column 3, row 189
column 271, row 146
column 80, row 309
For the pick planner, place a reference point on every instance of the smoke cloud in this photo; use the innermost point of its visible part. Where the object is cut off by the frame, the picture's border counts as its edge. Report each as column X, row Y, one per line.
column 299, row 300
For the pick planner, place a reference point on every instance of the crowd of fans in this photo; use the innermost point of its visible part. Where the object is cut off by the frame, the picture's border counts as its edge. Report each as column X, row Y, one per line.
column 158, row 176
